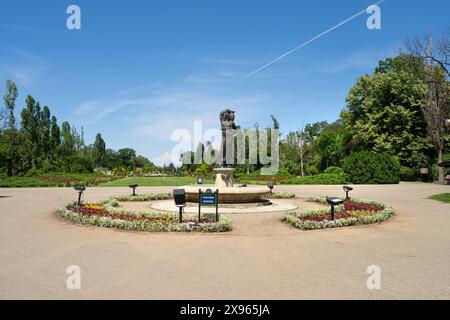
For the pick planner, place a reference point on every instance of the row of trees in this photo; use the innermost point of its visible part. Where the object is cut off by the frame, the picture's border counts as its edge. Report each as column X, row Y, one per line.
column 38, row 143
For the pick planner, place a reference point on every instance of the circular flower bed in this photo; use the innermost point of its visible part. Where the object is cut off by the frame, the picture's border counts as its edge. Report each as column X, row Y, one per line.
column 107, row 214
column 352, row 212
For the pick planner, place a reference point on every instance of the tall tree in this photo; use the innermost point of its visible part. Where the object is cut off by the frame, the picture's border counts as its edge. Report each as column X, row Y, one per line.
column 432, row 66
column 55, row 137
column 45, row 132
column 10, row 102
column 30, row 128
column 383, row 112
column 68, row 145
column 99, row 151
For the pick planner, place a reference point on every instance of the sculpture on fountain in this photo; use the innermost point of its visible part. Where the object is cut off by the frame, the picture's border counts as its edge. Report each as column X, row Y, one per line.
column 227, row 126
column 225, row 173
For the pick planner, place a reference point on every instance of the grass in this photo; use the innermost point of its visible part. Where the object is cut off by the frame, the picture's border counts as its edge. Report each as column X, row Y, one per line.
column 443, row 197
column 152, row 181
column 53, row 180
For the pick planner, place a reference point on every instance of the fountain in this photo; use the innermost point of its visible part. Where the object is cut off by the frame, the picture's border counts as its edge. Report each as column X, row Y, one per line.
column 228, row 193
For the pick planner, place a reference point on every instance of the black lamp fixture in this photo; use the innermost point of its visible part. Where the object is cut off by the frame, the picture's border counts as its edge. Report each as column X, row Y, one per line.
column 133, row 186
column 347, row 189
column 80, row 189
column 270, row 185
column 179, row 196
column 334, row 201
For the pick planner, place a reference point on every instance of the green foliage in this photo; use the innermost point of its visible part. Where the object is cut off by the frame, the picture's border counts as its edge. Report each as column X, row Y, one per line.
column 333, row 170
column 280, row 195
column 37, row 178
column 367, row 167
column 383, row 112
column 203, row 170
column 144, row 197
column 408, row 174
column 322, row 178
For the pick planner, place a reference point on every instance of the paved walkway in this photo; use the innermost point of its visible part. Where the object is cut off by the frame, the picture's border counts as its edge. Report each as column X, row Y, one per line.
column 262, row 258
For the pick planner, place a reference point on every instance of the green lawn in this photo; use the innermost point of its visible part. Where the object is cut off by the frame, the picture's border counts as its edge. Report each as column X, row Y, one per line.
column 443, row 197
column 54, row 180
column 151, row 181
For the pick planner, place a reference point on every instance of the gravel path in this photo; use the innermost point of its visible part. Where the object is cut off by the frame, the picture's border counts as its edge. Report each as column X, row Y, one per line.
column 261, row 258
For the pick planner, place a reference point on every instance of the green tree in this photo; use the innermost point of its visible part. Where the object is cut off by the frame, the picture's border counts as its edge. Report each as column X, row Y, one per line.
column 55, row 137
column 99, row 151
column 30, row 128
column 68, row 145
column 127, row 156
column 383, row 112
column 10, row 103
column 45, row 132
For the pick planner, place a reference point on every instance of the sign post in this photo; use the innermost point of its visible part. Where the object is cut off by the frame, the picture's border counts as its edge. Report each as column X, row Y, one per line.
column 208, row 198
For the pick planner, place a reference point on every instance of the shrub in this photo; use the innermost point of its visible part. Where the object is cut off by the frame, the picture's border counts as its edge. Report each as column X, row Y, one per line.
column 322, row 178
column 371, row 168
column 407, row 174
column 333, row 170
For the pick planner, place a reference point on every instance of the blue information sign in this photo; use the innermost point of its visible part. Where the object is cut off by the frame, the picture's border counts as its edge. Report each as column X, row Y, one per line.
column 208, row 199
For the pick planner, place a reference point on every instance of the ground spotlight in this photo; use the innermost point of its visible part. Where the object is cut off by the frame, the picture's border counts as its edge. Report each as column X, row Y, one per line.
column 270, row 185
column 133, row 186
column 179, row 195
column 334, row 201
column 347, row 189
column 80, row 189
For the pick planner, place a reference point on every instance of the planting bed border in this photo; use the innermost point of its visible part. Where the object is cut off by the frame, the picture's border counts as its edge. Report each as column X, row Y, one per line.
column 111, row 205
column 292, row 218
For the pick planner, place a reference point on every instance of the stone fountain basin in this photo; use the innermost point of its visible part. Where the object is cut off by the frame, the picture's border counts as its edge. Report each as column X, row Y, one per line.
column 249, row 194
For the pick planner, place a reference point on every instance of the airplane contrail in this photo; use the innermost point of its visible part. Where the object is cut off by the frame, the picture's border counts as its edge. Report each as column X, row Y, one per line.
column 312, row 39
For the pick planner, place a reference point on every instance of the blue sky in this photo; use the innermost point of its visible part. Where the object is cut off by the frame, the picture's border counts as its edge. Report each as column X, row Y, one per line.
column 137, row 70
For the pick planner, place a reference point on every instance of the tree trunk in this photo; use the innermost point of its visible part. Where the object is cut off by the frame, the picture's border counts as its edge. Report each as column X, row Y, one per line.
column 13, row 168
column 301, row 164
column 440, row 169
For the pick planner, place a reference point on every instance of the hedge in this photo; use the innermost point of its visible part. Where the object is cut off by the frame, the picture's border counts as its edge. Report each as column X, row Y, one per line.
column 367, row 167
column 322, row 178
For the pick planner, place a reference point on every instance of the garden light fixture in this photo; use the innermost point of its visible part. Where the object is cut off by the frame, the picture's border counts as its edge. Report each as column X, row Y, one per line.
column 179, row 196
column 347, row 189
column 270, row 185
column 133, row 186
column 334, row 201
column 80, row 189
column 199, row 181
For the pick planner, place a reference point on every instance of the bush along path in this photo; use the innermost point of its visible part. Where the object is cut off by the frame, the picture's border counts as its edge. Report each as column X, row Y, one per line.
column 352, row 212
column 107, row 213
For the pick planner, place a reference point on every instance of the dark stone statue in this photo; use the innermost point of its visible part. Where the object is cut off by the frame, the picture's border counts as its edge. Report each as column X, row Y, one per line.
column 228, row 126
